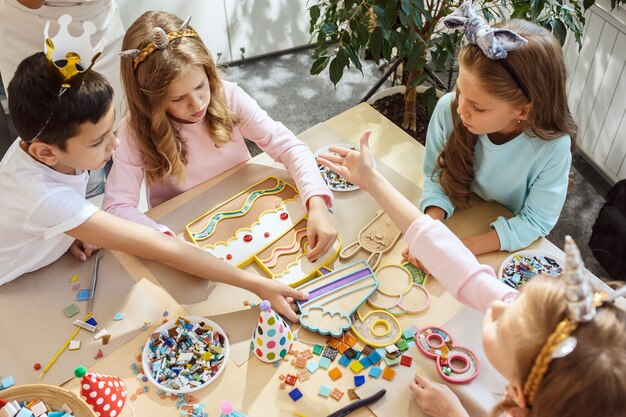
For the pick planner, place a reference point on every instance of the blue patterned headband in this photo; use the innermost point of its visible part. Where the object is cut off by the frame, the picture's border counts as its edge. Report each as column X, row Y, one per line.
column 495, row 43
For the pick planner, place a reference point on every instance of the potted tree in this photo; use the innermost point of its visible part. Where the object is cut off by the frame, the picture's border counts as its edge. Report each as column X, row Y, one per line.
column 408, row 34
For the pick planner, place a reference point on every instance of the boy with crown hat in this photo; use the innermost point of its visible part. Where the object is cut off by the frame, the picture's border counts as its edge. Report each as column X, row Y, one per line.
column 64, row 117
column 23, row 21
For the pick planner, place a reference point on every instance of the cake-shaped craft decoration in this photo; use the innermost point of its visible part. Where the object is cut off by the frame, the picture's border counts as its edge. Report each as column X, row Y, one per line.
column 266, row 226
column 272, row 337
column 106, row 394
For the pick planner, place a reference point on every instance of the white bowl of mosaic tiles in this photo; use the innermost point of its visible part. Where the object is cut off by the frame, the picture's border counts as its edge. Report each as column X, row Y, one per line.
column 539, row 261
column 171, row 348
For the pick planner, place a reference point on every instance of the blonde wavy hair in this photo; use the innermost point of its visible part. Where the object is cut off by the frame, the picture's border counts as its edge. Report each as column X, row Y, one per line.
column 160, row 144
column 590, row 381
column 540, row 67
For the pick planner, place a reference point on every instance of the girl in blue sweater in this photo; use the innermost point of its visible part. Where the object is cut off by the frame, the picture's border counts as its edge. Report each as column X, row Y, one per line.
column 505, row 134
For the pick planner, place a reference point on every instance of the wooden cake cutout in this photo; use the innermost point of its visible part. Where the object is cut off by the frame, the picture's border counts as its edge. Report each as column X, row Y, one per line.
column 377, row 237
column 334, row 297
column 264, row 225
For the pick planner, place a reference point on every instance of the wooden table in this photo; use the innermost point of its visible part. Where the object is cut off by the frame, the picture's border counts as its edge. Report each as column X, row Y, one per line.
column 254, row 387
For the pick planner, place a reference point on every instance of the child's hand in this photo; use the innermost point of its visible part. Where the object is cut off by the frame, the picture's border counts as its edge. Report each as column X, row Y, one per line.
column 407, row 257
column 82, row 250
column 436, row 399
column 282, row 297
column 321, row 230
column 356, row 167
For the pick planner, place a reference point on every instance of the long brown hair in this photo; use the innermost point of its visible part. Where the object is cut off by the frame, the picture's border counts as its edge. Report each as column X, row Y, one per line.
column 590, row 381
column 162, row 148
column 540, row 67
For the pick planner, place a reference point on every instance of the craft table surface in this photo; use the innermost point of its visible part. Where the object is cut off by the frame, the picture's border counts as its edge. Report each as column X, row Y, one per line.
column 254, row 386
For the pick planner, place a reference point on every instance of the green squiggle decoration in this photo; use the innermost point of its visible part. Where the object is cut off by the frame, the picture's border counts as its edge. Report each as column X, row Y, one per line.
column 210, row 227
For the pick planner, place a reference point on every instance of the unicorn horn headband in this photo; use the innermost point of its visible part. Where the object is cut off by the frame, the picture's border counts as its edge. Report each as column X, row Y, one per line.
column 582, row 305
column 495, row 43
column 159, row 40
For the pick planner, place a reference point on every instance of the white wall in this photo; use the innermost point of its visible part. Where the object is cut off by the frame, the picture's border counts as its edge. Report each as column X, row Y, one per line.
column 597, row 88
column 226, row 26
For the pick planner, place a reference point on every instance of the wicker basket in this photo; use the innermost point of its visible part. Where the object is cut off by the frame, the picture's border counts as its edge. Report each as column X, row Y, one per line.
column 52, row 395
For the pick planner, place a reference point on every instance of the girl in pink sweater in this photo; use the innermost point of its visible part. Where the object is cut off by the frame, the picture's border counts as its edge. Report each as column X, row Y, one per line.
column 561, row 345
column 185, row 126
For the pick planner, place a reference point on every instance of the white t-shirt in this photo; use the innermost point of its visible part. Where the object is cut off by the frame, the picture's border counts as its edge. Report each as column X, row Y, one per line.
column 38, row 205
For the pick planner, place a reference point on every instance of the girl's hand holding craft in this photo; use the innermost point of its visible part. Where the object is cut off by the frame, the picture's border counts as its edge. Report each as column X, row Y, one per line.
column 321, row 230
column 281, row 297
column 435, row 399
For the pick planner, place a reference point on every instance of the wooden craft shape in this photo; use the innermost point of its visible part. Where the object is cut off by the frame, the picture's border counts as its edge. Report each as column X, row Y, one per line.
column 436, row 343
column 264, row 225
column 377, row 237
column 397, row 292
column 377, row 328
column 335, row 296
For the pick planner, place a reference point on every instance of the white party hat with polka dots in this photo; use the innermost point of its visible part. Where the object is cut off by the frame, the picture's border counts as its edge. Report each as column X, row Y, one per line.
column 272, row 337
column 106, row 394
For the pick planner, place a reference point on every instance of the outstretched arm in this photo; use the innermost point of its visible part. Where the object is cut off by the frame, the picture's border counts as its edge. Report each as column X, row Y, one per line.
column 108, row 231
column 429, row 240
column 357, row 168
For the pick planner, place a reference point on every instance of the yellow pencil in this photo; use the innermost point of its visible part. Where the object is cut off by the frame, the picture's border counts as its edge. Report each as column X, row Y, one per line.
column 67, row 342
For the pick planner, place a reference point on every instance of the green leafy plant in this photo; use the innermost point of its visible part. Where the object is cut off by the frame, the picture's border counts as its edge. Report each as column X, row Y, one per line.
column 410, row 33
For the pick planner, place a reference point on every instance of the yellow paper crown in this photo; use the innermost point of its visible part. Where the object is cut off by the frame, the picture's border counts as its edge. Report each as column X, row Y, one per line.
column 70, row 55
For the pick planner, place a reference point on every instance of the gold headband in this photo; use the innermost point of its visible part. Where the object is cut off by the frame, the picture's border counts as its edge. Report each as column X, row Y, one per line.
column 160, row 40
column 582, row 303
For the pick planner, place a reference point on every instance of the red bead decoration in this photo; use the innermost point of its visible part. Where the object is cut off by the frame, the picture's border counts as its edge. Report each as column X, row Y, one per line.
column 267, row 234
column 37, row 366
column 284, row 216
column 247, row 238
column 229, row 256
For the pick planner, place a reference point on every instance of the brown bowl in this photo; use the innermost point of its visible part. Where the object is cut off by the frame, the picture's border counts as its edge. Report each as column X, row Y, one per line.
column 51, row 395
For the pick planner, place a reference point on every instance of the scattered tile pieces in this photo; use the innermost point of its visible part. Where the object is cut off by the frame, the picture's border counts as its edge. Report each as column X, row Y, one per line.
column 324, row 362
column 406, row 360
column 291, row 379
column 352, row 394
column 359, row 380
column 71, row 310
column 74, row 345
column 118, row 316
column 84, row 325
column 324, row 390
column 375, row 372
column 312, row 366
column 303, row 375
column 100, row 334
column 83, row 295
column 99, row 354
column 105, row 339
column 344, row 360
column 356, row 367
column 317, row 349
column 74, row 278
column 330, row 353
column 334, row 374
column 295, row 394
column 389, row 374
column 336, row 394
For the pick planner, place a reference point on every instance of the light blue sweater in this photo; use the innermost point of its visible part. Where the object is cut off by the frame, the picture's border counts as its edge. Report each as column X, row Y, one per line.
column 527, row 175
